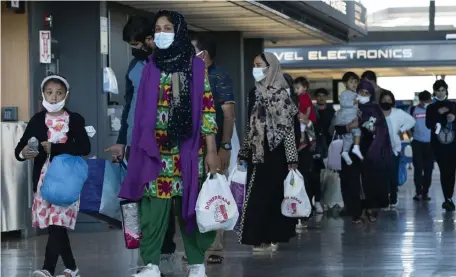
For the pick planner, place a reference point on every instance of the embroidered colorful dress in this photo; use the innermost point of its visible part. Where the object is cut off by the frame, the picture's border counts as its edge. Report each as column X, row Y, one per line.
column 44, row 213
column 169, row 182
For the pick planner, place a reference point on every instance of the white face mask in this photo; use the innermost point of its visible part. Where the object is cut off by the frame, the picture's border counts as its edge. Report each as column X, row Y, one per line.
column 363, row 99
column 163, row 40
column 258, row 74
column 53, row 108
column 444, row 98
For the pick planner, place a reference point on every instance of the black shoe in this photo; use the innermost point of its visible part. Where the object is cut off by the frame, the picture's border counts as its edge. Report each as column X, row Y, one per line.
column 452, row 204
column 448, row 205
column 425, row 197
column 417, row 197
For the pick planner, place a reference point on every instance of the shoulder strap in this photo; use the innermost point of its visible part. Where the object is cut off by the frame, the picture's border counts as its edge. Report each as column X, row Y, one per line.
column 412, row 110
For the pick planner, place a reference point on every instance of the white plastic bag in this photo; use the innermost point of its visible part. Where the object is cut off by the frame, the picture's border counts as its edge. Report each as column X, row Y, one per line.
column 334, row 154
column 295, row 202
column 332, row 195
column 110, row 81
column 215, row 207
column 235, row 147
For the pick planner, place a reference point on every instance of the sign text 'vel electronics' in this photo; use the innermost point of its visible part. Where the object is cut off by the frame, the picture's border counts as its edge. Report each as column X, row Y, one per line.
column 360, row 54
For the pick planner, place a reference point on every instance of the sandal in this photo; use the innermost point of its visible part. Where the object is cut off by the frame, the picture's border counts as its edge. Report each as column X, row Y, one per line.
column 215, row 259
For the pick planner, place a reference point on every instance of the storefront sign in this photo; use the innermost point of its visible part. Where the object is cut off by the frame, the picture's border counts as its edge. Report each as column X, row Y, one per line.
column 364, row 55
column 45, row 47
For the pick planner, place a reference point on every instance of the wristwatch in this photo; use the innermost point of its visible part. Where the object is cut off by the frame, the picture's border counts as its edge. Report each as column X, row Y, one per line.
column 226, row 146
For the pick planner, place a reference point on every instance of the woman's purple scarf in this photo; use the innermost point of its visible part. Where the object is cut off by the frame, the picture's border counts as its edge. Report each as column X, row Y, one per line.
column 380, row 149
column 144, row 163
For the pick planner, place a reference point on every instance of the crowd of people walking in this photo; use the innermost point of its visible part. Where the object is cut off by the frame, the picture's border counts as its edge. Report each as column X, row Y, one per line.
column 177, row 126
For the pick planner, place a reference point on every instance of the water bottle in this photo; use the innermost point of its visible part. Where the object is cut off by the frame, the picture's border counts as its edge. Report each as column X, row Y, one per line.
column 33, row 144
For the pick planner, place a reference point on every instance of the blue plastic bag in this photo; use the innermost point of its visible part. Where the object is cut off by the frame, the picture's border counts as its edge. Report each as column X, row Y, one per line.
column 64, row 180
column 402, row 172
column 99, row 196
column 93, row 188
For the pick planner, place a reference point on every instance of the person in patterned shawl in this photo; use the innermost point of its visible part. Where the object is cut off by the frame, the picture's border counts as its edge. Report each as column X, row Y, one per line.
column 270, row 151
column 173, row 145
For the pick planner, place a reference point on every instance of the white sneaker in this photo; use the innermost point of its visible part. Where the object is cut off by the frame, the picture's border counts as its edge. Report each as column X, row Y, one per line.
column 301, row 225
column 346, row 158
column 357, row 152
column 319, row 208
column 41, row 273
column 196, row 270
column 167, row 263
column 149, row 270
column 69, row 273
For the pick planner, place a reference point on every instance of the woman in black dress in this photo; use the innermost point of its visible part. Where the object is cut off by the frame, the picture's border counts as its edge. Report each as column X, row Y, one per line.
column 270, row 151
column 364, row 183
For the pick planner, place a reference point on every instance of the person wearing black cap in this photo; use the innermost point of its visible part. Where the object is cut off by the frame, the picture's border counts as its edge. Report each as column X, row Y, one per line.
column 440, row 118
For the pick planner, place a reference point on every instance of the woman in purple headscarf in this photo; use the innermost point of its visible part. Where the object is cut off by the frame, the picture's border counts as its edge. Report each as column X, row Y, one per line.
column 363, row 182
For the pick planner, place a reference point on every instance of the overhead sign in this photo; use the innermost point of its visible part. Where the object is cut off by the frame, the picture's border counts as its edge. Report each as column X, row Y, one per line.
column 45, row 47
column 369, row 55
column 338, row 5
column 350, row 13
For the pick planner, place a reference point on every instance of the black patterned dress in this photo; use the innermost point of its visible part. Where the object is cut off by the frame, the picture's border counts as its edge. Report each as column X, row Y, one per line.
column 262, row 221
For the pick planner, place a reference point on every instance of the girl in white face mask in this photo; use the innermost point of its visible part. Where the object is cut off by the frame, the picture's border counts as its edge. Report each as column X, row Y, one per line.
column 58, row 131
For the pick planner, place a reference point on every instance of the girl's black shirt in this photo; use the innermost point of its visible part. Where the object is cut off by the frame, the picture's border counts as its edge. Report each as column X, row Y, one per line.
column 78, row 143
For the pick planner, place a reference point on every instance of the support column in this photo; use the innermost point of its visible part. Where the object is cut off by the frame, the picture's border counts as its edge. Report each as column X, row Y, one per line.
column 252, row 48
column 432, row 15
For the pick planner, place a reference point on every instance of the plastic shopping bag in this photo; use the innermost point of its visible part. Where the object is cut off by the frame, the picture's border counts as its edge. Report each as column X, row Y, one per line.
column 130, row 224
column 295, row 203
column 64, row 180
column 334, row 155
column 332, row 194
column 235, row 147
column 113, row 177
column 216, row 208
column 238, row 184
column 99, row 196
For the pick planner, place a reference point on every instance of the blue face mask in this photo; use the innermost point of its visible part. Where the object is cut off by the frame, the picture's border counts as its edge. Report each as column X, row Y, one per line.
column 163, row 40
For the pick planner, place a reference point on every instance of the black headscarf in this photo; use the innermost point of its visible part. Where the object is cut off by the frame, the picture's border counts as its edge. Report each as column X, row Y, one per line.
column 177, row 60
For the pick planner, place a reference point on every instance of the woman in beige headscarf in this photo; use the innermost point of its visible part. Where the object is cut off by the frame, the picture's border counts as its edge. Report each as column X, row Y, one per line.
column 269, row 152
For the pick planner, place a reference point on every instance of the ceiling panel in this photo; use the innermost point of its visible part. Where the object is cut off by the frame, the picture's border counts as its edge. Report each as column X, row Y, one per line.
column 381, row 72
column 249, row 17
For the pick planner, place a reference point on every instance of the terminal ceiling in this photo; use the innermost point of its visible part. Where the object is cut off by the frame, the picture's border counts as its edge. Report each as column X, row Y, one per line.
column 251, row 18
column 336, row 73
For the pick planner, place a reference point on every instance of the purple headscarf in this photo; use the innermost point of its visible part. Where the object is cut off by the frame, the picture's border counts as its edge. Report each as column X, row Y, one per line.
column 380, row 149
column 364, row 84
